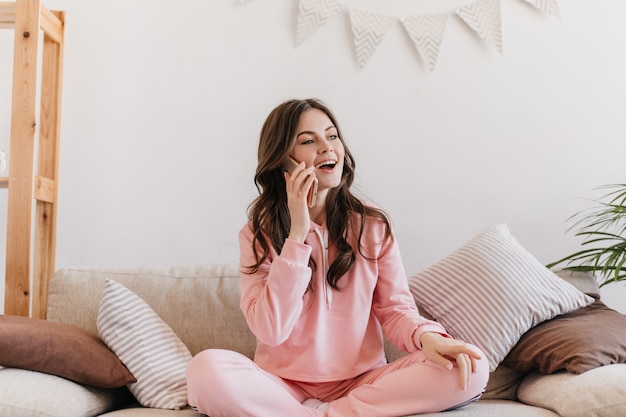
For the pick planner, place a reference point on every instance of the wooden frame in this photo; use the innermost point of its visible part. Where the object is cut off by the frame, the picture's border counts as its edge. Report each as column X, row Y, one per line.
column 27, row 17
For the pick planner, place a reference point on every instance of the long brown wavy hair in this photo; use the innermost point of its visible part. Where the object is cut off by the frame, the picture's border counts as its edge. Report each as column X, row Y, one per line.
column 268, row 213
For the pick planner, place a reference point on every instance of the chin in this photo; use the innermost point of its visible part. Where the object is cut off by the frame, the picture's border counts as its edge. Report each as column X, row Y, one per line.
column 334, row 185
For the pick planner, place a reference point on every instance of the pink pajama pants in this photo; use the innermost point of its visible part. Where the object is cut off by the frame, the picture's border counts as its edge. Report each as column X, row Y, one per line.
column 223, row 383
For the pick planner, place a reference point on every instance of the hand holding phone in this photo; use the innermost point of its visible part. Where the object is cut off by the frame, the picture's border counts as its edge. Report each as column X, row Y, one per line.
column 289, row 166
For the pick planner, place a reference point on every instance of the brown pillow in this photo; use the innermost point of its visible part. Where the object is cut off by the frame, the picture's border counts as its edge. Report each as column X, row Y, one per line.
column 584, row 339
column 60, row 349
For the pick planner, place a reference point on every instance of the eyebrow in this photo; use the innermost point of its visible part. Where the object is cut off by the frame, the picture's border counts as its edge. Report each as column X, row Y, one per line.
column 308, row 132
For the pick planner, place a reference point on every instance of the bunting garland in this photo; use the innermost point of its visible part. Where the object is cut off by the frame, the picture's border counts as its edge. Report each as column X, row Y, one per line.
column 549, row 7
column 368, row 29
column 426, row 32
column 483, row 17
column 313, row 14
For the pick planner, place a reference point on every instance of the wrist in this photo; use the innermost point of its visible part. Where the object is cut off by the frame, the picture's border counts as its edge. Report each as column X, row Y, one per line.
column 427, row 337
column 423, row 339
column 298, row 238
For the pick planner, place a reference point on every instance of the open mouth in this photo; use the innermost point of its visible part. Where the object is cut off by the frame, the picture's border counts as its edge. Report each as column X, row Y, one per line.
column 328, row 165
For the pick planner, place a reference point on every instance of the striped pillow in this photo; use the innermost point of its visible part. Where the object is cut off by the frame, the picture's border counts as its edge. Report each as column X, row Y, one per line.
column 146, row 345
column 491, row 291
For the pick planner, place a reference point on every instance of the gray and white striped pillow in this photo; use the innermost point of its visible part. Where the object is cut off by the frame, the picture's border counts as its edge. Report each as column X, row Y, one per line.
column 148, row 347
column 491, row 291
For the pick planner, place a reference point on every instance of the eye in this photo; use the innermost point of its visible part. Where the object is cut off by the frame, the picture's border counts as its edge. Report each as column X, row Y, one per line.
column 307, row 141
column 333, row 137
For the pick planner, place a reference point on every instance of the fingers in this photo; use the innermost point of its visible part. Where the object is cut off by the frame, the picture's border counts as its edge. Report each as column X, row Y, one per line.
column 465, row 358
column 465, row 364
column 450, row 351
column 300, row 181
column 465, row 369
column 446, row 351
column 470, row 351
column 440, row 359
column 297, row 186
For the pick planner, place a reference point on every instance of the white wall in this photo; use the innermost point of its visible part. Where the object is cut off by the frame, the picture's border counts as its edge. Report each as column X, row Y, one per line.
column 164, row 100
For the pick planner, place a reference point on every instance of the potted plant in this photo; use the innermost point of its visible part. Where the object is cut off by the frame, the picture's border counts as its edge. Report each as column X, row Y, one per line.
column 603, row 228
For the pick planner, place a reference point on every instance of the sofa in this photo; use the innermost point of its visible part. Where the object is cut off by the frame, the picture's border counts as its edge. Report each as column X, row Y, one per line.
column 172, row 313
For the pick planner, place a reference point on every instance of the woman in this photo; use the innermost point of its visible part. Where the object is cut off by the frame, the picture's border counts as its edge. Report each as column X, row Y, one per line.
column 320, row 283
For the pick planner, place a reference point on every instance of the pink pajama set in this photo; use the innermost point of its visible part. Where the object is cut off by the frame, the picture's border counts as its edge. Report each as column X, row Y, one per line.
column 322, row 343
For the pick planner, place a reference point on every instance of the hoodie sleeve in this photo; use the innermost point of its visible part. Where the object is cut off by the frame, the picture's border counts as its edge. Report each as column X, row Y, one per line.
column 271, row 298
column 393, row 303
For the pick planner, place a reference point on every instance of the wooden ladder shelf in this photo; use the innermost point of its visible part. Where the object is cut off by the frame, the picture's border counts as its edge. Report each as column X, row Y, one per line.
column 24, row 186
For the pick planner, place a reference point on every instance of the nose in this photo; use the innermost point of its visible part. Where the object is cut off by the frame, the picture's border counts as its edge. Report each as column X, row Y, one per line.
column 326, row 147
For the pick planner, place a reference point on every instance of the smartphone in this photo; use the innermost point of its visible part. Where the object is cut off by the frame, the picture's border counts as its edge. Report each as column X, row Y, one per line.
column 289, row 166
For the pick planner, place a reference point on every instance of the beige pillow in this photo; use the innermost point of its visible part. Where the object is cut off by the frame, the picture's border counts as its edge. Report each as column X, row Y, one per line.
column 491, row 291
column 600, row 392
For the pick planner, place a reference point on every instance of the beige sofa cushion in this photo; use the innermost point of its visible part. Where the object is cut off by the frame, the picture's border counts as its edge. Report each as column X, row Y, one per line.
column 600, row 392
column 200, row 303
column 152, row 412
column 494, row 408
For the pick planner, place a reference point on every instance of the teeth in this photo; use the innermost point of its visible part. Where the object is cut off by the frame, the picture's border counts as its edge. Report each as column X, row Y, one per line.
column 326, row 163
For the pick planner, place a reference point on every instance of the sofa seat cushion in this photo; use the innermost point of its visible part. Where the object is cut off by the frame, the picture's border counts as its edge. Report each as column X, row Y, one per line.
column 139, row 411
column 494, row 408
column 25, row 393
column 482, row 408
column 600, row 392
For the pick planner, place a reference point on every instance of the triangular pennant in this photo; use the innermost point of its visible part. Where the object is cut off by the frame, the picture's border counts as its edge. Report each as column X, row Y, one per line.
column 368, row 30
column 484, row 18
column 550, row 7
column 426, row 32
column 312, row 14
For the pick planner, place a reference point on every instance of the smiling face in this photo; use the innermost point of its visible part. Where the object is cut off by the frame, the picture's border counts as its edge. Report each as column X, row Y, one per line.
column 318, row 144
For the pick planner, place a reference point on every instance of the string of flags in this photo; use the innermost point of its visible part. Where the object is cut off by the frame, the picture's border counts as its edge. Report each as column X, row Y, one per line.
column 426, row 32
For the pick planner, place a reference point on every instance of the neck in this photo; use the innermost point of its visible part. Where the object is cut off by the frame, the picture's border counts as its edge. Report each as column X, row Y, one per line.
column 318, row 213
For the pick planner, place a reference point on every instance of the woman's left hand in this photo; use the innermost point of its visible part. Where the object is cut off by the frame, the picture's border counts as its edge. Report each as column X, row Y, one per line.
column 446, row 351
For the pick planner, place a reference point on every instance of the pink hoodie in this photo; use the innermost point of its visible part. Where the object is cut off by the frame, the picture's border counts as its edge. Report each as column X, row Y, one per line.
column 322, row 334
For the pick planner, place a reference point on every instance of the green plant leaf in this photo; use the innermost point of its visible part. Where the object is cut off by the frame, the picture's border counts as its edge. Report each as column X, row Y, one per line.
column 602, row 229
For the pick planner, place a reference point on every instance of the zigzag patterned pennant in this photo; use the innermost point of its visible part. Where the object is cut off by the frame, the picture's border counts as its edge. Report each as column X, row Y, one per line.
column 484, row 18
column 368, row 30
column 426, row 32
column 312, row 14
column 550, row 7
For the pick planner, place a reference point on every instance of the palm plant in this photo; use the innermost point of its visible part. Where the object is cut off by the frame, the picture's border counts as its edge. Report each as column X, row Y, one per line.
column 603, row 230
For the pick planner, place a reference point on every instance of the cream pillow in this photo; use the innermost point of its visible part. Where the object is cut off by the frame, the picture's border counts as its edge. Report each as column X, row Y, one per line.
column 599, row 392
column 25, row 393
column 491, row 291
column 148, row 347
